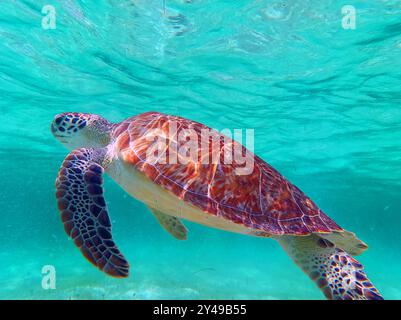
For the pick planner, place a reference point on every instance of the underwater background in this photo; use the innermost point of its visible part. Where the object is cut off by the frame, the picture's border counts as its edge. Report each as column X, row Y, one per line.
column 324, row 102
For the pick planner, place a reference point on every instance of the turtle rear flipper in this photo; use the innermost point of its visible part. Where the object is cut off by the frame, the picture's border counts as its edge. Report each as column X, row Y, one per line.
column 347, row 241
column 171, row 224
column 84, row 212
column 335, row 272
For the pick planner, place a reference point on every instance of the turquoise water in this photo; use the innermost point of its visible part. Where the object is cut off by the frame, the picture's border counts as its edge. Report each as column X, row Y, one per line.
column 324, row 102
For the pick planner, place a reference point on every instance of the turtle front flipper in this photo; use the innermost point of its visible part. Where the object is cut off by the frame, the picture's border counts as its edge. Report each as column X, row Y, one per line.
column 171, row 224
column 84, row 212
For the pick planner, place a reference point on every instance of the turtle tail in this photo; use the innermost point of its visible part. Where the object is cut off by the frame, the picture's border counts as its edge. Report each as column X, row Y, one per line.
column 335, row 272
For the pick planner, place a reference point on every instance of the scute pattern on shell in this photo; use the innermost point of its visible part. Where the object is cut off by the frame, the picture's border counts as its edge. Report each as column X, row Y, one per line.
column 263, row 200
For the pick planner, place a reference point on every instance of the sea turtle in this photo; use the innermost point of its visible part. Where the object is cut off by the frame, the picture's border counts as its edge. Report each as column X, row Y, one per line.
column 176, row 184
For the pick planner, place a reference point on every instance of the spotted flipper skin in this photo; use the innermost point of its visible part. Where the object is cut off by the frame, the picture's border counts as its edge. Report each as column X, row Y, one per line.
column 84, row 213
column 171, row 224
column 335, row 272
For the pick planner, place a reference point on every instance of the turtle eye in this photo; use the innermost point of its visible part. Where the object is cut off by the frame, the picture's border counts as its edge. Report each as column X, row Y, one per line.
column 81, row 123
column 75, row 123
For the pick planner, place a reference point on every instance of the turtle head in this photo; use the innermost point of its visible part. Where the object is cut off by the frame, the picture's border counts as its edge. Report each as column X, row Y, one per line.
column 81, row 130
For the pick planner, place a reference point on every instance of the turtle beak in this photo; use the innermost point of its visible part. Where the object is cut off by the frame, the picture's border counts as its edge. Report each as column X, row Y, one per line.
column 54, row 131
column 56, row 125
column 56, row 134
column 53, row 128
